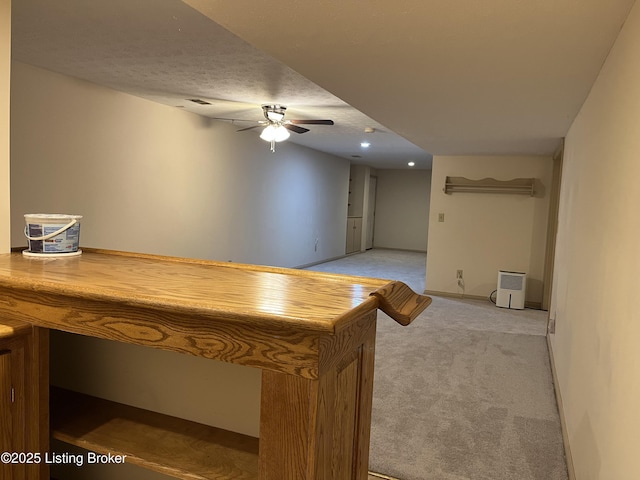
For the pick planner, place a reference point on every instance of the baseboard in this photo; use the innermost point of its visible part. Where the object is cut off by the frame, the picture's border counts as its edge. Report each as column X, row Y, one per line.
column 454, row 295
column 563, row 423
column 375, row 247
column 373, row 475
column 533, row 305
column 527, row 304
column 307, row 265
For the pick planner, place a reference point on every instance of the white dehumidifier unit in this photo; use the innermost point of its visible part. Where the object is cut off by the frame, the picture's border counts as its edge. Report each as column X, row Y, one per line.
column 511, row 289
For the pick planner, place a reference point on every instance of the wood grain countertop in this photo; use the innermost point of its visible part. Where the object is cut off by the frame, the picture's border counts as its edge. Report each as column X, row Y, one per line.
column 309, row 300
column 267, row 317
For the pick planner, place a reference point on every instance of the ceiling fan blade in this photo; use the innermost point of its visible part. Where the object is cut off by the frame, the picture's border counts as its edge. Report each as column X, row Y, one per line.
column 248, row 128
column 295, row 128
column 312, row 122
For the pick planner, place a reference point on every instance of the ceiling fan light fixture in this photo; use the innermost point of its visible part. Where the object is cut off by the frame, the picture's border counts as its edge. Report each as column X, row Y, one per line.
column 274, row 113
column 275, row 133
column 275, row 116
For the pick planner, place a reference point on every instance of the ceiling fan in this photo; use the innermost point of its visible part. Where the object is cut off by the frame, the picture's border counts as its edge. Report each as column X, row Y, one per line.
column 277, row 128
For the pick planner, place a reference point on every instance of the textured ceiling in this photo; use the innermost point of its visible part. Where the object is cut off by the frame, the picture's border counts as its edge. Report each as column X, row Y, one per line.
column 165, row 51
column 454, row 77
column 463, row 77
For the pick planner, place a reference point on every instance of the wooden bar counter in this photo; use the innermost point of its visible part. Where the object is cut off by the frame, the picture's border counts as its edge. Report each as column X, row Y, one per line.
column 312, row 334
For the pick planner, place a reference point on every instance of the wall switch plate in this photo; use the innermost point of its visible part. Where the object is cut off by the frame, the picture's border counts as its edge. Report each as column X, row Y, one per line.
column 441, row 217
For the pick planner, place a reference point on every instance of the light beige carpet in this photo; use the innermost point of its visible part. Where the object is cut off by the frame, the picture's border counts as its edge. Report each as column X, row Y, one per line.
column 465, row 392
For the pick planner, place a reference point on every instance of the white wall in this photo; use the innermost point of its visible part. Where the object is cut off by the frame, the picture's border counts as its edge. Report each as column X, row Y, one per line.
column 484, row 233
column 156, row 179
column 402, row 209
column 595, row 293
column 153, row 178
column 5, row 77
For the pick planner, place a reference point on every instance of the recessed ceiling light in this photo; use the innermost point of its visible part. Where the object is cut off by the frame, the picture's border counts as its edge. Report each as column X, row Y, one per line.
column 365, row 144
column 411, row 164
column 369, row 130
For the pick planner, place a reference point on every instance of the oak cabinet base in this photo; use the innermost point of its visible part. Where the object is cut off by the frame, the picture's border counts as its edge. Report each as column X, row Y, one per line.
column 24, row 429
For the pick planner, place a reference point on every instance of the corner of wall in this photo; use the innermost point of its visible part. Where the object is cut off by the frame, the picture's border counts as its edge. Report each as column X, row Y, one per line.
column 5, row 92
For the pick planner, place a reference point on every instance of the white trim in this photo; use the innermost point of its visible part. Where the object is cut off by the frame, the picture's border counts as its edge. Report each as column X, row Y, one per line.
column 563, row 424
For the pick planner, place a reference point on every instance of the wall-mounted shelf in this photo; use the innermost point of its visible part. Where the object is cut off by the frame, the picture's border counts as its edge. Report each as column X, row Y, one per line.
column 518, row 186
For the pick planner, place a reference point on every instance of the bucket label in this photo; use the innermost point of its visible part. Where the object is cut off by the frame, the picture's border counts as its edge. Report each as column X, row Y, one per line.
column 66, row 241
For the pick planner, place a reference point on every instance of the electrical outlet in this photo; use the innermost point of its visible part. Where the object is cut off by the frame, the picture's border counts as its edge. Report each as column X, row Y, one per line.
column 459, row 274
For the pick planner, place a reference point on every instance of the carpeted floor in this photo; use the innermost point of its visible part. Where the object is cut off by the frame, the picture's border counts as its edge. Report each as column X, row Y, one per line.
column 464, row 392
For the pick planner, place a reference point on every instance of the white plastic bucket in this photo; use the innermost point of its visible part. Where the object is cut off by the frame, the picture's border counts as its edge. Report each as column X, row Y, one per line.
column 52, row 233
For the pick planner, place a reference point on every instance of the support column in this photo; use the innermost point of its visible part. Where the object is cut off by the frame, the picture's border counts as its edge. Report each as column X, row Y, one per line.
column 320, row 429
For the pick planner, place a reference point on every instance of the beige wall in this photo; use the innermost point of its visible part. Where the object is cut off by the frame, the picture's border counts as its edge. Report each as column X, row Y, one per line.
column 402, row 209
column 5, row 77
column 597, row 267
column 152, row 178
column 484, row 233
